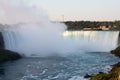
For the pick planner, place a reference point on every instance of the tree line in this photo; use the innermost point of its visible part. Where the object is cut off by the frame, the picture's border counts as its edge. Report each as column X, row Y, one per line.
column 79, row 25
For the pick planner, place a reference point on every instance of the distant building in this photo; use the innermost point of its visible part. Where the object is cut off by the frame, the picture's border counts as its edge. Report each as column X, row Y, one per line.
column 99, row 28
column 105, row 27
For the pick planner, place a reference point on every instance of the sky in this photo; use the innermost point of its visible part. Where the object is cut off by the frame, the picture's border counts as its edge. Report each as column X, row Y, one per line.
column 94, row 10
column 76, row 10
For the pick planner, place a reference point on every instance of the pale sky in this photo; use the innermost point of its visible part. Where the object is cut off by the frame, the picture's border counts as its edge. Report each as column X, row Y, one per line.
column 81, row 9
column 94, row 10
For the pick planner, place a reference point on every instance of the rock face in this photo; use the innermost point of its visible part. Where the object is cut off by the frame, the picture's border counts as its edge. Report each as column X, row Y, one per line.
column 88, row 76
column 116, row 52
column 119, row 39
column 1, row 41
column 7, row 55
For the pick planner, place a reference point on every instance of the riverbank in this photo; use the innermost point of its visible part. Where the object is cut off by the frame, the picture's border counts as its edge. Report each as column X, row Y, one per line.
column 114, row 74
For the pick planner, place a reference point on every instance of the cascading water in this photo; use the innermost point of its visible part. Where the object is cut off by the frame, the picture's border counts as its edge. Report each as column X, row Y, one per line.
column 30, row 32
column 34, row 41
column 94, row 41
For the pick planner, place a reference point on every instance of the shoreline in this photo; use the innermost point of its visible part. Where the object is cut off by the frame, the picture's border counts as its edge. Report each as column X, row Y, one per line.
column 113, row 74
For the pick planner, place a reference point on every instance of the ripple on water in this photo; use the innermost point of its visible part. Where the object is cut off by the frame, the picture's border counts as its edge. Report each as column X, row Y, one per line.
column 67, row 68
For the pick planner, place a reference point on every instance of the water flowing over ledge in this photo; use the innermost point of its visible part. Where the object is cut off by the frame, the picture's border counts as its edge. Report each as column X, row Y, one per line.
column 95, row 41
column 34, row 41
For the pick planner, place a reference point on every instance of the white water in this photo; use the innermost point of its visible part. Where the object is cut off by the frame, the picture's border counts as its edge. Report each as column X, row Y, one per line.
column 30, row 31
column 94, row 41
column 33, row 39
column 34, row 42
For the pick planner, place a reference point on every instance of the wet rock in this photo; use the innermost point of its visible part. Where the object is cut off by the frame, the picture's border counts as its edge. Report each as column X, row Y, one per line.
column 87, row 76
column 116, row 52
column 1, row 41
column 6, row 55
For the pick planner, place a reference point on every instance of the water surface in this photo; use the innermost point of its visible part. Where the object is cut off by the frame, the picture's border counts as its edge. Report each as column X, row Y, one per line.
column 72, row 67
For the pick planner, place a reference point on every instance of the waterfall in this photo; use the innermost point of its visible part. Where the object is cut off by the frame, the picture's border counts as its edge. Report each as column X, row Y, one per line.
column 99, row 41
column 35, row 41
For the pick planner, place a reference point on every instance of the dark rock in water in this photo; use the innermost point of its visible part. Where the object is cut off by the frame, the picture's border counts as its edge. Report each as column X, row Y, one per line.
column 87, row 76
column 119, row 39
column 101, row 72
column 6, row 55
column 116, row 52
column 1, row 41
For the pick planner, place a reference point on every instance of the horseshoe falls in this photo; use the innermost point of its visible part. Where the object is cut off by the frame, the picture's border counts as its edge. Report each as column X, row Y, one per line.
column 94, row 41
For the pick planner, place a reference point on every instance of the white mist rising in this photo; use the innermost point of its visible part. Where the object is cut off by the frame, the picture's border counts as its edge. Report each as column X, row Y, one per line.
column 30, row 31
column 18, row 11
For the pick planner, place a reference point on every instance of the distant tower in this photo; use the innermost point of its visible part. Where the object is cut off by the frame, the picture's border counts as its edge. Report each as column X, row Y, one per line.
column 63, row 18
